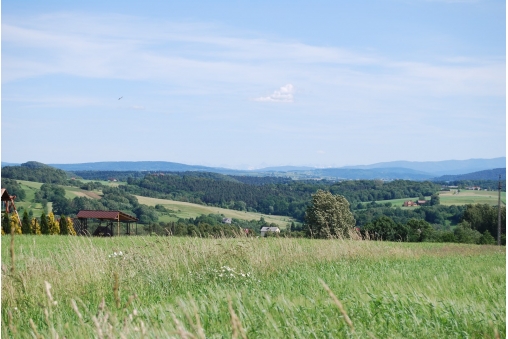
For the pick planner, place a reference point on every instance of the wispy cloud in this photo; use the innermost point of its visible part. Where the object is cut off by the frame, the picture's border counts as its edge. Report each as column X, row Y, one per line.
column 283, row 94
column 206, row 59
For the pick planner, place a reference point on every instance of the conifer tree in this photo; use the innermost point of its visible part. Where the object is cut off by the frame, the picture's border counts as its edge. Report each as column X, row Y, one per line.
column 54, row 227
column 6, row 223
column 64, row 230
column 25, row 224
column 70, row 226
column 15, row 224
column 35, row 226
column 44, row 224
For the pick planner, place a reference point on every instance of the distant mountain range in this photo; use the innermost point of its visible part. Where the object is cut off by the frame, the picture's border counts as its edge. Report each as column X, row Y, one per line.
column 492, row 174
column 407, row 170
column 437, row 168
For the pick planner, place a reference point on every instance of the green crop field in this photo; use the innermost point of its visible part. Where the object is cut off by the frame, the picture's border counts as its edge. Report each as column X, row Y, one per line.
column 453, row 197
column 471, row 197
column 169, row 287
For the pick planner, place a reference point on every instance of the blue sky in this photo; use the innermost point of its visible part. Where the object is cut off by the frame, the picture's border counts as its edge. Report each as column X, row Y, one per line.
column 245, row 85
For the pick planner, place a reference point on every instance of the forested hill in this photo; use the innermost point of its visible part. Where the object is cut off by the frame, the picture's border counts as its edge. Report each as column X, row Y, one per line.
column 492, row 174
column 36, row 171
column 286, row 197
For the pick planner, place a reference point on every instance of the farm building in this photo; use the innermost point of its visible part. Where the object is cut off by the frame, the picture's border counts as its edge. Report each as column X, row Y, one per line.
column 409, row 203
column 226, row 220
column 104, row 223
column 421, row 202
column 264, row 230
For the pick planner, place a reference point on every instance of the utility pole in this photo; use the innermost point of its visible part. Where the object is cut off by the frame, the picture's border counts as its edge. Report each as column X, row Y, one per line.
column 499, row 212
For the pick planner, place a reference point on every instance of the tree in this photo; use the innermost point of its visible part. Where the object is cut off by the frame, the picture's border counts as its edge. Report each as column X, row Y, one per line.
column 35, row 227
column 70, row 226
column 64, row 229
column 44, row 224
column 465, row 234
column 487, row 239
column 384, row 228
column 6, row 223
column 329, row 216
column 54, row 227
column 483, row 217
column 25, row 223
column 434, row 199
column 15, row 224
column 419, row 230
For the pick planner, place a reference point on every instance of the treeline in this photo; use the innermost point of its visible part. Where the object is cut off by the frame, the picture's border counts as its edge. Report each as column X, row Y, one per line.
column 285, row 197
column 47, row 225
column 437, row 214
column 206, row 226
column 491, row 185
column 478, row 225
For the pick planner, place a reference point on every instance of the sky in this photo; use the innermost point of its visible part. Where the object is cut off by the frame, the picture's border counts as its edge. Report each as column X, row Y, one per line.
column 253, row 84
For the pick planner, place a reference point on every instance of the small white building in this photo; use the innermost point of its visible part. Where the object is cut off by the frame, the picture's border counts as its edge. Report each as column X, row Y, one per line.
column 269, row 229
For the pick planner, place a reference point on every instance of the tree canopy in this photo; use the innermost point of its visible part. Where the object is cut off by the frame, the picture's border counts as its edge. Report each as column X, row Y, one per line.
column 329, row 216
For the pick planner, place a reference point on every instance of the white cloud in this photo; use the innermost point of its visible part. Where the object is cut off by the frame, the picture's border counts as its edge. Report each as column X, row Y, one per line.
column 283, row 94
column 206, row 59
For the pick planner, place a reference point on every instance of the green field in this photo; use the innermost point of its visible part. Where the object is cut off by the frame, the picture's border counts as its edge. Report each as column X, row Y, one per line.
column 471, row 197
column 448, row 198
column 189, row 210
column 30, row 188
column 169, row 287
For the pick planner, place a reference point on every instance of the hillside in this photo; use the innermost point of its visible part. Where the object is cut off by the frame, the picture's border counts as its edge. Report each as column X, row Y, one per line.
column 408, row 170
column 492, row 174
column 178, row 209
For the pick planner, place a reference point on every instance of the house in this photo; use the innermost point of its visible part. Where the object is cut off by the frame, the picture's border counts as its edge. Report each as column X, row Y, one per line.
column 409, row 203
column 421, row 202
column 226, row 220
column 269, row 229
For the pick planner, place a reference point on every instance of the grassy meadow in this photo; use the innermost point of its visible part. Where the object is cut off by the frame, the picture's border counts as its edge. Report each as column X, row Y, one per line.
column 160, row 287
column 188, row 210
column 453, row 197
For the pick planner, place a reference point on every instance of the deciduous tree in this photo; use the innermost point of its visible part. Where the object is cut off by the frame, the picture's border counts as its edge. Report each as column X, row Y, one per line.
column 329, row 216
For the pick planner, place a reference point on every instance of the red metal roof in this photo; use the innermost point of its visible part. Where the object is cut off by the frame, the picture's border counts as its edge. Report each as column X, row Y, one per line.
column 108, row 215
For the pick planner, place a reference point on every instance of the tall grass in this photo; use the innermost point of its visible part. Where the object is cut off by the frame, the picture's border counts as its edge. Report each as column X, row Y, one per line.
column 158, row 287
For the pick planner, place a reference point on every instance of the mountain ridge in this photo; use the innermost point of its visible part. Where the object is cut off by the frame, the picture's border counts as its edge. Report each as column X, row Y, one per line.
column 408, row 170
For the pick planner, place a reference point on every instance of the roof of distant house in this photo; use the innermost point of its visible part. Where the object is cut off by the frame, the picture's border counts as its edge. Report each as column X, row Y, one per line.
column 270, row 229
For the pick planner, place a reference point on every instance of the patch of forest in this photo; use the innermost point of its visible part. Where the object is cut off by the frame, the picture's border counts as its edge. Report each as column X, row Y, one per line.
column 267, row 195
